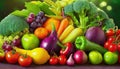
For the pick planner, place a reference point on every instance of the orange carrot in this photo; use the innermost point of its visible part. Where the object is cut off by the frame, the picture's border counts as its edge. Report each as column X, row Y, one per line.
column 64, row 23
column 48, row 23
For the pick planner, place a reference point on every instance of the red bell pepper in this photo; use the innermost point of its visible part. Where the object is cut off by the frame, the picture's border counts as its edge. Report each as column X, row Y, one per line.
column 67, row 49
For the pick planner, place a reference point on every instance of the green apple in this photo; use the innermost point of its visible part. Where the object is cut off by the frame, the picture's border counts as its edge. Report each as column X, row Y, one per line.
column 29, row 41
column 95, row 57
column 2, row 55
column 110, row 57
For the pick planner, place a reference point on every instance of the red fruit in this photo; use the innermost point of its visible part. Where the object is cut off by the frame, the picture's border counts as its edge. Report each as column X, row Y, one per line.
column 118, row 32
column 112, row 47
column 118, row 47
column 62, row 59
column 53, row 60
column 25, row 60
column 111, row 39
column 110, row 32
column 106, row 45
column 12, row 57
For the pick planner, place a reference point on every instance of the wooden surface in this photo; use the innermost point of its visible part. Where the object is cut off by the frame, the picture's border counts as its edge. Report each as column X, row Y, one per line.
column 85, row 66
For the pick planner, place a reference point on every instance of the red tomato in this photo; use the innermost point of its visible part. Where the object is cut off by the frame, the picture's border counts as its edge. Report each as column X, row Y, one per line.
column 106, row 45
column 118, row 32
column 12, row 57
column 110, row 32
column 111, row 39
column 25, row 60
column 53, row 60
column 112, row 47
column 62, row 59
column 118, row 47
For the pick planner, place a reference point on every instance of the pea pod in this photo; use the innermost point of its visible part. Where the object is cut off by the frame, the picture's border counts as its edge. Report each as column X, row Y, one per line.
column 73, row 35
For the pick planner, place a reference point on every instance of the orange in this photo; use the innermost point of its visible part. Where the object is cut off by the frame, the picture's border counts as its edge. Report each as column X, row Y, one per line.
column 41, row 32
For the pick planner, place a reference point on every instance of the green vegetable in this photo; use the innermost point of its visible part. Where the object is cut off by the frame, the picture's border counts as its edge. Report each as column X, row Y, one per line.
column 12, row 24
column 85, row 14
column 83, row 43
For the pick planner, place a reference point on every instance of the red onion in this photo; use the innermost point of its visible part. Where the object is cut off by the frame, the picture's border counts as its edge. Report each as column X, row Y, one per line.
column 80, row 57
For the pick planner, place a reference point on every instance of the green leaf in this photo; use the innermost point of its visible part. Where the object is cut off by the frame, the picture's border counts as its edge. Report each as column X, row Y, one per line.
column 12, row 24
column 22, row 13
column 32, row 7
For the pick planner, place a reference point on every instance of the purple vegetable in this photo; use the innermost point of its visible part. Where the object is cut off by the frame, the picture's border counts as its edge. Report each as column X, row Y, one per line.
column 96, row 34
column 70, row 60
column 50, row 42
column 80, row 57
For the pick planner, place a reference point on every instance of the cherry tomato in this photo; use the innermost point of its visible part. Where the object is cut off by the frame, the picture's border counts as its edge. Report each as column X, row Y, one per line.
column 118, row 32
column 111, row 39
column 62, row 59
column 110, row 32
column 25, row 60
column 118, row 47
column 106, row 45
column 12, row 56
column 112, row 47
column 53, row 60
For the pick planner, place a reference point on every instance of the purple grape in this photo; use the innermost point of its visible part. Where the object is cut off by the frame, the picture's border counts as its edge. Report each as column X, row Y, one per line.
column 30, row 20
column 8, row 47
column 41, row 14
column 5, row 44
column 37, row 20
column 43, row 19
column 32, row 15
column 38, row 17
column 33, row 25
column 31, row 30
column 39, row 25
column 16, row 42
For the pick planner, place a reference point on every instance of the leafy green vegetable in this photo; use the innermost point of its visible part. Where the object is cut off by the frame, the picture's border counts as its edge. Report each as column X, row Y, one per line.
column 12, row 24
column 81, row 7
column 86, row 14
column 22, row 13
column 32, row 7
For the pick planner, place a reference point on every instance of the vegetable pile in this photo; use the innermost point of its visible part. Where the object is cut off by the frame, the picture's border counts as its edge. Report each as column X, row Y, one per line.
column 64, row 32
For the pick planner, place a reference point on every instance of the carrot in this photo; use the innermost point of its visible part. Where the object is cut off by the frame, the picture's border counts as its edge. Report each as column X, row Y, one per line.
column 41, row 32
column 64, row 23
column 48, row 23
column 66, row 32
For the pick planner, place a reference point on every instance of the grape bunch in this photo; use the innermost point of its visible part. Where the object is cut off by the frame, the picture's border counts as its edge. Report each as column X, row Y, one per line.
column 36, row 21
column 9, row 42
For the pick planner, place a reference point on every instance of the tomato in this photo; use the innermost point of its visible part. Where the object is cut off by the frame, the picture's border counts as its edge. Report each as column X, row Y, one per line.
column 53, row 60
column 118, row 32
column 111, row 39
column 118, row 47
column 106, row 45
column 112, row 47
column 25, row 60
column 12, row 56
column 110, row 32
column 62, row 59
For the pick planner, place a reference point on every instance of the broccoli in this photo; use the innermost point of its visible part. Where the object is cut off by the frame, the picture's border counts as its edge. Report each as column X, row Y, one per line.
column 86, row 14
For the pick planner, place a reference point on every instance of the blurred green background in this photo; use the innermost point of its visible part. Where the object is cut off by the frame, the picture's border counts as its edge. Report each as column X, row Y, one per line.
column 111, row 7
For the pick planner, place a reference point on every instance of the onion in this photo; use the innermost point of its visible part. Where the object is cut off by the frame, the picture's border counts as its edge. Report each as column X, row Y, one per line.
column 80, row 57
column 70, row 60
column 96, row 34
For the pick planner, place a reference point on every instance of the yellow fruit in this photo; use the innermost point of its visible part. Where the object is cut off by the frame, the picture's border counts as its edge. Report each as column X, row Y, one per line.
column 39, row 55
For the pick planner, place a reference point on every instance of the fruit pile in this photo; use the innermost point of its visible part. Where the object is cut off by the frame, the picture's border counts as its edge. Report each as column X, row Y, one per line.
column 62, row 32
